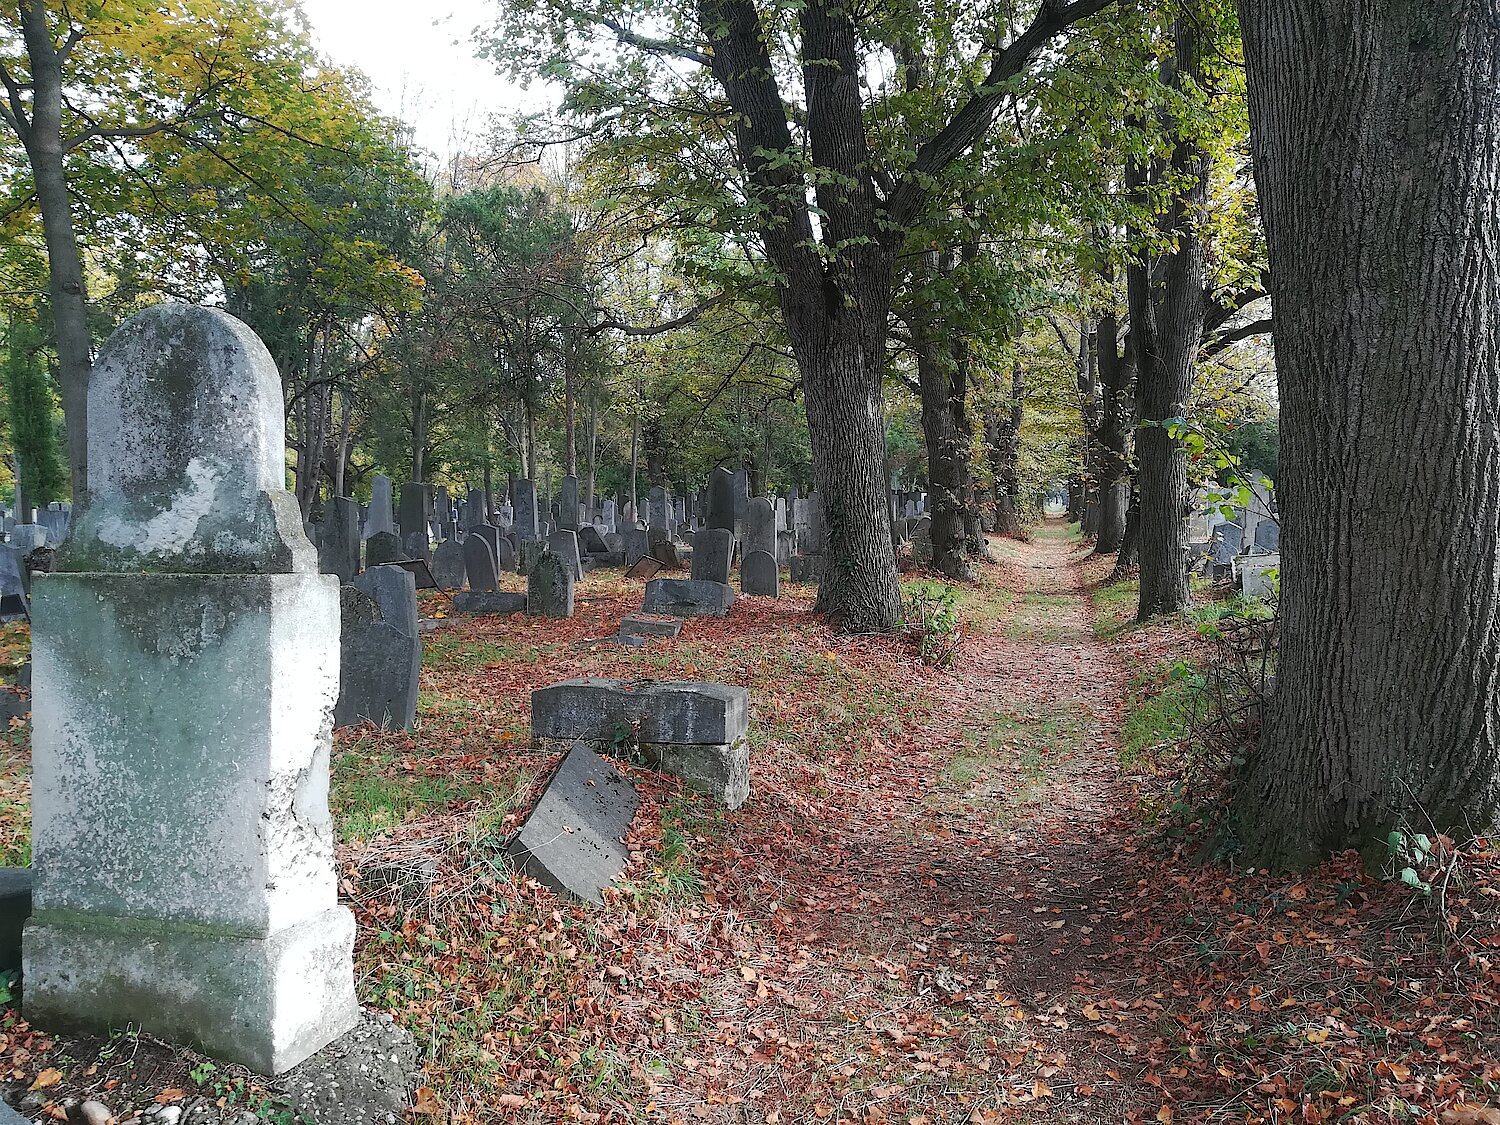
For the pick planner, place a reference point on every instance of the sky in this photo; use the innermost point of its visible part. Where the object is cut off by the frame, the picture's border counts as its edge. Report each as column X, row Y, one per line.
column 419, row 59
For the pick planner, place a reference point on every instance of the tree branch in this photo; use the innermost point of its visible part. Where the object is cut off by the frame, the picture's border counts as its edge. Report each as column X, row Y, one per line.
column 1244, row 332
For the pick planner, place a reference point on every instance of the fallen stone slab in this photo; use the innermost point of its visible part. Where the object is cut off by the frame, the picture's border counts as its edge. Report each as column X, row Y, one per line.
column 488, row 603
column 681, row 711
column 574, row 839
column 687, row 597
column 694, row 731
column 639, row 625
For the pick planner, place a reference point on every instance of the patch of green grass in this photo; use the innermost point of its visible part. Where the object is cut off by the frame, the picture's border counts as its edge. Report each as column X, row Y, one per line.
column 1164, row 702
column 1043, row 617
column 1115, row 607
column 1009, row 761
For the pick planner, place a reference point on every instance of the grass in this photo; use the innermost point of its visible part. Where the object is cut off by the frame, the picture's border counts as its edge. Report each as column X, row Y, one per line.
column 1163, row 703
column 1010, row 759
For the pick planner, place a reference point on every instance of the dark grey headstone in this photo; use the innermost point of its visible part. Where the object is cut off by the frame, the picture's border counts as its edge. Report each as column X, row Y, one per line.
column 417, row 546
column 760, row 526
column 549, row 587
column 505, row 555
column 591, row 542
column 721, row 499
column 713, row 555
column 15, row 909
column 564, row 544
column 637, row 545
column 640, row 626
column 567, row 504
column 1226, row 543
column 741, row 493
column 1268, row 536
column 491, row 535
column 416, row 509
column 574, row 839
column 383, row 547
column 685, row 597
column 479, row 564
column 759, row 576
column 448, row 565
column 659, row 508
column 526, row 520
column 380, row 650
column 492, row 604
column 338, row 541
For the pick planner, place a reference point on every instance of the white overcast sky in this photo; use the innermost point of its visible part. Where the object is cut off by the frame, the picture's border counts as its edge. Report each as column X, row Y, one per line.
column 420, row 60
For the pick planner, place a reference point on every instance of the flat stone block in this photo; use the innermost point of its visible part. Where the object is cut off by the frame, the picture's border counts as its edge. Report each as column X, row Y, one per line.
column 489, row 603
column 15, row 909
column 574, row 839
column 687, row 597
column 265, row 1002
column 721, row 772
column 666, row 711
column 641, row 626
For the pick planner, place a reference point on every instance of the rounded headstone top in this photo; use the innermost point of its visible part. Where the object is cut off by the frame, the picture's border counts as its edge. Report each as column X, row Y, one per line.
column 187, row 453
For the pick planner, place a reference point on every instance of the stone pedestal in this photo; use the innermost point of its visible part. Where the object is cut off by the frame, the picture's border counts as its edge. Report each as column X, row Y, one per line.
column 183, row 847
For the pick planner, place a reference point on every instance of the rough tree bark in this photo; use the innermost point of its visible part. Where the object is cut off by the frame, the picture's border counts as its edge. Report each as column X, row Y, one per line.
column 1003, row 436
column 1383, row 225
column 942, row 384
column 1116, row 374
column 41, row 137
column 1167, row 307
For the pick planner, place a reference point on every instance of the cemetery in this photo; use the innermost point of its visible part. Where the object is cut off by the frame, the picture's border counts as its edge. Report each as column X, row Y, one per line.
column 743, row 580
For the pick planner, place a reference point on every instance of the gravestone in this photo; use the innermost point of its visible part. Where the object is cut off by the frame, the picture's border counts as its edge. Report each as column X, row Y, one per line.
column 810, row 537
column 383, row 547
column 448, row 565
column 28, row 537
column 527, row 526
column 489, row 603
column 609, row 517
column 474, row 513
column 1268, row 536
column 640, row 625
column 567, row 504
column 695, row 731
column 760, row 526
column 1256, row 577
column 480, row 565
column 380, row 650
column 721, row 499
column 591, row 542
column 637, row 545
column 491, row 535
column 13, row 584
column 759, row 576
column 713, row 555
column 921, row 540
column 186, row 662
column 685, row 597
column 338, row 543
column 574, row 839
column 659, row 508
column 564, row 544
column 741, row 494
column 505, row 556
column 381, row 518
column 549, row 587
column 1226, row 543
column 442, row 510
column 416, row 510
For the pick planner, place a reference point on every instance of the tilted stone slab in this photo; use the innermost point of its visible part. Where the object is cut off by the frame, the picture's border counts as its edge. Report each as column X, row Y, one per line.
column 667, row 711
column 641, row 626
column 574, row 839
column 687, row 597
column 489, row 603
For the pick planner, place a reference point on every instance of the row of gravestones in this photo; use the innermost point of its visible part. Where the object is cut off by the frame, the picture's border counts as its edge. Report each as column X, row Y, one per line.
column 1246, row 545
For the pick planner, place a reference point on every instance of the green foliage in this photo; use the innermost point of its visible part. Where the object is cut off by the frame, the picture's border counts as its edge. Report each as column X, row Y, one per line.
column 932, row 615
column 1256, row 446
column 33, row 415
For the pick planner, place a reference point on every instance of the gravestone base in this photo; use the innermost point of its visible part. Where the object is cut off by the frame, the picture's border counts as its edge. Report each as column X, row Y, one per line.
column 489, row 603
column 266, row 1003
column 687, row 597
column 719, row 771
column 213, row 922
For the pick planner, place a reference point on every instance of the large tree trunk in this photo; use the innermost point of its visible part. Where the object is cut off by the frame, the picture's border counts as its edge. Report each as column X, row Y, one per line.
column 1115, row 377
column 1004, row 439
column 1167, row 306
column 1386, row 711
column 942, row 392
column 42, row 139
column 841, row 376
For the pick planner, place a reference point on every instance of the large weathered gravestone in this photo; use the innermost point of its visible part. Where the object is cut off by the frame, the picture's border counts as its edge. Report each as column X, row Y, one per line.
column 1268, row 536
column 416, row 514
column 479, row 564
column 564, row 544
column 637, row 545
column 549, row 587
column 186, row 668
column 759, row 576
column 591, row 542
column 527, row 526
column 694, row 731
column 380, row 650
column 474, row 513
column 713, row 555
column 338, row 545
column 686, row 597
column 760, row 526
column 448, row 565
column 567, row 504
column 659, row 508
column 382, row 516
column 574, row 839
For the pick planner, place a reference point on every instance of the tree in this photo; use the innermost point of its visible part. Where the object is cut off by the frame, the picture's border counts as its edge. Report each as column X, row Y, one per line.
column 1386, row 711
column 826, row 180
column 33, row 419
